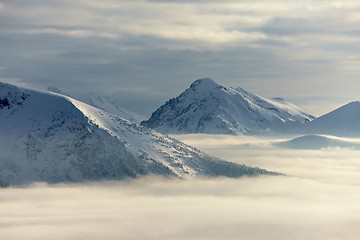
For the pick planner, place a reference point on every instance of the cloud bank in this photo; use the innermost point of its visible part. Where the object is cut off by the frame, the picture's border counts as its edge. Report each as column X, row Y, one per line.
column 318, row 200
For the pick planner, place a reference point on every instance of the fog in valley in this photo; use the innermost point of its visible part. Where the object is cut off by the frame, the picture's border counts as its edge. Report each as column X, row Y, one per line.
column 317, row 199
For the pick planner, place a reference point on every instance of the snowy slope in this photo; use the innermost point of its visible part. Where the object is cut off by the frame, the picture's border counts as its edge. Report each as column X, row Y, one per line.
column 344, row 121
column 110, row 105
column 207, row 107
column 318, row 142
column 105, row 103
column 50, row 137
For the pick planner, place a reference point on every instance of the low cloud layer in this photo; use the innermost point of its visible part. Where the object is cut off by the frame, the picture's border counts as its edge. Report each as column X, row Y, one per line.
column 318, row 200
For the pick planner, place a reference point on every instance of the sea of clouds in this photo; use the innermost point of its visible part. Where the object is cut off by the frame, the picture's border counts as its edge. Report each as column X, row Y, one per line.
column 318, row 199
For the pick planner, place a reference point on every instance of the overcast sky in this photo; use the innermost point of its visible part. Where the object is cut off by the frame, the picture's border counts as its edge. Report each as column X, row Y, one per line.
column 146, row 52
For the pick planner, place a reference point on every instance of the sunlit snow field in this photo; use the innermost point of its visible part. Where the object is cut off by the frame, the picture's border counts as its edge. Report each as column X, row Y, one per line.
column 318, row 199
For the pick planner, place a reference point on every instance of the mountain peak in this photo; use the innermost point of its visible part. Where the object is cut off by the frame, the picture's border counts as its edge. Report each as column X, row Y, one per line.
column 11, row 96
column 351, row 107
column 204, row 83
column 343, row 121
column 355, row 104
column 207, row 107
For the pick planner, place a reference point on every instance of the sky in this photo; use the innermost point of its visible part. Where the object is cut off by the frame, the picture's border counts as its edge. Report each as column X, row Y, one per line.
column 318, row 199
column 145, row 52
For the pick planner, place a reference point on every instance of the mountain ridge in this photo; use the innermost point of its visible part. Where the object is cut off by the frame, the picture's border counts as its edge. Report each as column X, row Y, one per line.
column 207, row 107
column 316, row 142
column 343, row 121
column 54, row 138
column 103, row 102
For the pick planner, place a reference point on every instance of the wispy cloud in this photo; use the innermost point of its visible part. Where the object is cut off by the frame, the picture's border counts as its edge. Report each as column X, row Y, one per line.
column 69, row 33
column 309, row 48
column 201, row 23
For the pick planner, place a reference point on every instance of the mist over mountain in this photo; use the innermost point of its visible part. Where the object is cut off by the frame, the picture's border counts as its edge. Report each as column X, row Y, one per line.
column 54, row 138
column 207, row 107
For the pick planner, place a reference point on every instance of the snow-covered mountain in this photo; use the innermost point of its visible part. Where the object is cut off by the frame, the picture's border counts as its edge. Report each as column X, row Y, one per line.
column 344, row 121
column 207, row 107
column 51, row 137
column 110, row 105
column 318, row 142
column 105, row 103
